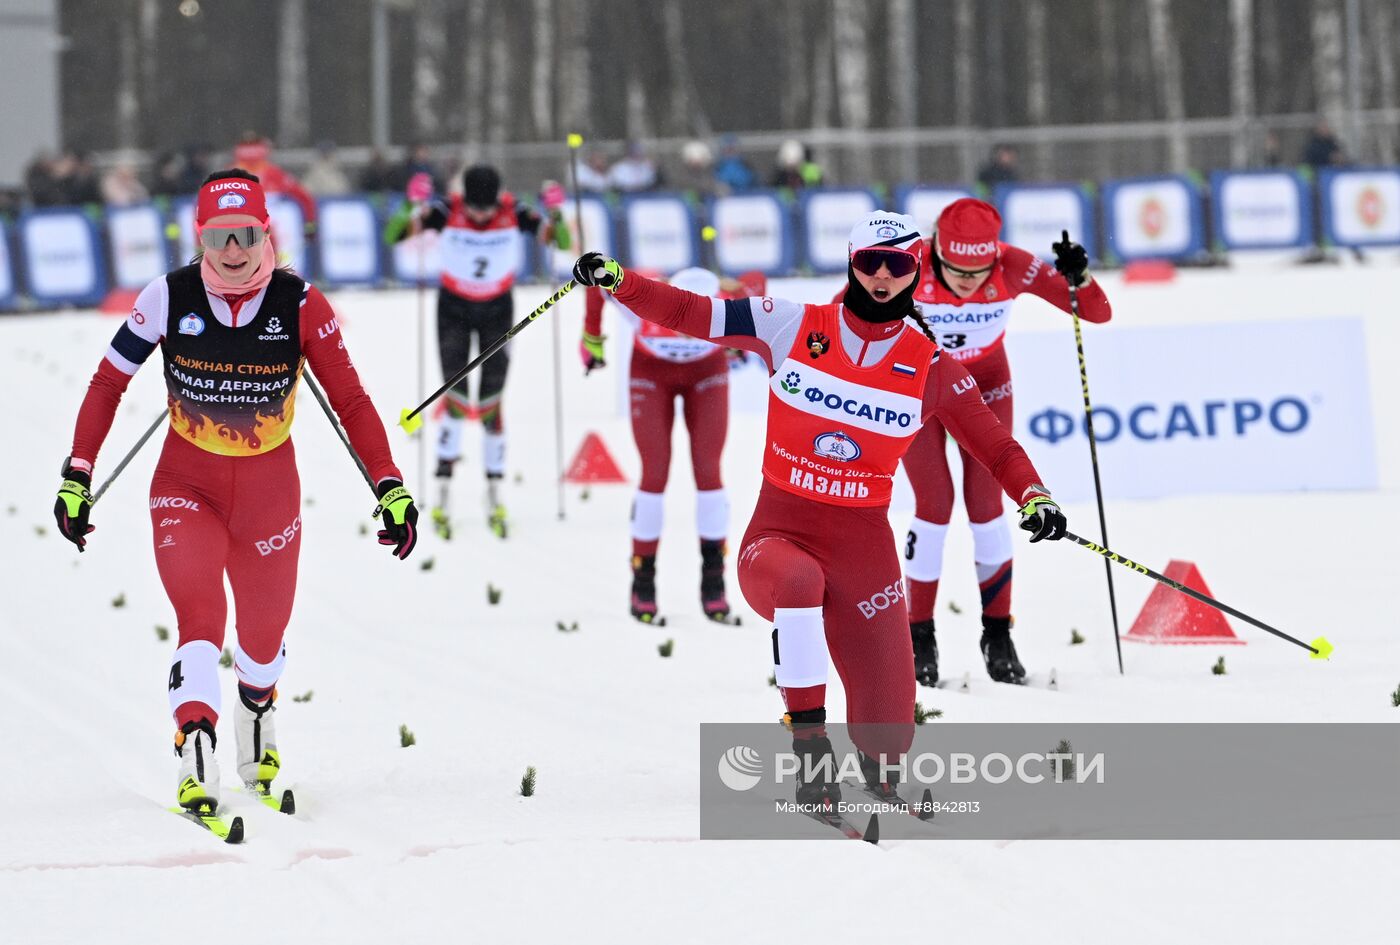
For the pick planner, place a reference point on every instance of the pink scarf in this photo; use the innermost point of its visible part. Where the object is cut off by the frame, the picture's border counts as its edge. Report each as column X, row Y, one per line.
column 261, row 276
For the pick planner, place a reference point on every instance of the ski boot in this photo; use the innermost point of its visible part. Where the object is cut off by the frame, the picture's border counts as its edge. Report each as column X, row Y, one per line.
column 816, row 772
column 258, row 760
column 887, row 786
column 712, row 597
column 198, row 787
column 442, row 521
column 999, row 652
column 495, row 511
column 644, row 588
column 925, row 653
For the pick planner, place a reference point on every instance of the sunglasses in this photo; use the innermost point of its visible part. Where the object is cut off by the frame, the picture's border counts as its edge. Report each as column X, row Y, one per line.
column 217, row 237
column 964, row 273
column 899, row 262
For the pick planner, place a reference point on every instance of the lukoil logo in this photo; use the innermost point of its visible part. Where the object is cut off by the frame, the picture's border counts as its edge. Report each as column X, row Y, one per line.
column 1210, row 419
column 740, row 768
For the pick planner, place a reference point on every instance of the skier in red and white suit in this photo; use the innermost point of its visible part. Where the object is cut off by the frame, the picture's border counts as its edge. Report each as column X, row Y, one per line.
column 966, row 297
column 235, row 332
column 851, row 385
column 667, row 364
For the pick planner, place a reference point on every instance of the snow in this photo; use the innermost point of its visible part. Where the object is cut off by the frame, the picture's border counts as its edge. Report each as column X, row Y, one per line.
column 434, row 841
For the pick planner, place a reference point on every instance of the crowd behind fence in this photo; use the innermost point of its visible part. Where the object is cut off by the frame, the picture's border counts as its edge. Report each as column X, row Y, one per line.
column 59, row 256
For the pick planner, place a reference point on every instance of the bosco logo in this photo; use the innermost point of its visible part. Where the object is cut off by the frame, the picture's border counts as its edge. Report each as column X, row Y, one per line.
column 881, row 600
column 232, row 201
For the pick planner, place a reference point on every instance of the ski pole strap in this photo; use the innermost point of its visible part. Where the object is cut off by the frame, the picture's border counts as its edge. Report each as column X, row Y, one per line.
column 393, row 502
column 1319, row 648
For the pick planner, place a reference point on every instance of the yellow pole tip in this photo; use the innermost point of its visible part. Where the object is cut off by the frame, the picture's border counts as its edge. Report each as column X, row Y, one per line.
column 1323, row 648
column 410, row 423
column 575, row 140
column 708, row 234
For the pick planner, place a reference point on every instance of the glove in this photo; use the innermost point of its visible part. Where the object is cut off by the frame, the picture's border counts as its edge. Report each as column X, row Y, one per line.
column 1071, row 260
column 597, row 269
column 590, row 351
column 71, row 509
column 400, row 518
column 1043, row 519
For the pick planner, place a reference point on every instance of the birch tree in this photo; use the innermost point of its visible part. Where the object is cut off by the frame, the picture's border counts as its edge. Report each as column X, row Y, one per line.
column 687, row 114
column 498, row 99
column 904, row 63
column 1382, row 34
column 541, row 69
column 1241, row 79
column 572, row 77
column 128, row 78
column 853, row 77
column 429, row 61
column 1328, row 76
column 1166, row 64
column 293, row 90
column 474, row 75
column 1038, row 80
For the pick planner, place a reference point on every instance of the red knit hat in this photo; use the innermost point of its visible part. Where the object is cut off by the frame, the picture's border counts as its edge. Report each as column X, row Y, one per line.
column 967, row 233
column 230, row 195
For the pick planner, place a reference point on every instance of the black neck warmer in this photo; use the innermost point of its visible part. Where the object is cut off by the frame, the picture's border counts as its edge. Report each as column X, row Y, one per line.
column 867, row 309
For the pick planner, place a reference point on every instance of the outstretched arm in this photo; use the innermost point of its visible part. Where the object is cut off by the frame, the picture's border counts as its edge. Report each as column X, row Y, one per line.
column 324, row 347
column 954, row 398
column 765, row 326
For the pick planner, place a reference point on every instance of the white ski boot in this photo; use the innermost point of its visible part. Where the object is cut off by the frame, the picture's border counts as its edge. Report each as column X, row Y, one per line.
column 258, row 760
column 198, row 785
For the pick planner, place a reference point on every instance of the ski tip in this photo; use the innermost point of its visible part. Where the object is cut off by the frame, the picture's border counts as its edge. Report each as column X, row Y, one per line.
column 235, row 831
column 410, row 422
column 289, row 803
column 1322, row 649
column 872, row 830
column 926, row 805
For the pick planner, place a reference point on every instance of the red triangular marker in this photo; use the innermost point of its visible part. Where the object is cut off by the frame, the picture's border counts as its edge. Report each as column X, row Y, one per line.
column 1170, row 616
column 593, row 463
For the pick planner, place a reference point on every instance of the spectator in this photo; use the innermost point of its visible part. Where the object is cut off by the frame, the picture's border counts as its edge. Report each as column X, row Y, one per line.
column 1273, row 150
column 165, row 173
column 593, row 172
column 39, row 181
column 1323, row 149
column 796, row 169
column 419, row 160
column 697, row 176
column 122, row 188
column 254, row 155
column 81, row 186
column 325, row 178
column 194, row 168
column 378, row 175
column 733, row 173
column 1001, row 169
column 636, row 171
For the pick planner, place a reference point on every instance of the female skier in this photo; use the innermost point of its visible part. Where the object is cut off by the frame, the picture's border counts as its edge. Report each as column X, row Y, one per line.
column 851, row 385
column 966, row 299
column 235, row 332
column 665, row 365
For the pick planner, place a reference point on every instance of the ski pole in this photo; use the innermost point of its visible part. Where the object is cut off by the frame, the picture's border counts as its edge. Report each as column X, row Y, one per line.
column 1094, row 457
column 130, row 455
column 1319, row 648
column 340, row 431
column 575, row 142
column 410, row 420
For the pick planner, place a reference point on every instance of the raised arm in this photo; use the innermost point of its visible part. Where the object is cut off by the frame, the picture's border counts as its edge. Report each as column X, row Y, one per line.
column 1026, row 273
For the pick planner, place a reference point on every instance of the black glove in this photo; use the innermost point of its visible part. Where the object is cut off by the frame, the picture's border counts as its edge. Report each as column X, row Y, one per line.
column 400, row 517
column 597, row 269
column 1070, row 259
column 1043, row 519
column 74, row 502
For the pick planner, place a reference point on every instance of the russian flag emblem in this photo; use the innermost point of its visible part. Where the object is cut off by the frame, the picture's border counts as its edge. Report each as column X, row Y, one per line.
column 903, row 370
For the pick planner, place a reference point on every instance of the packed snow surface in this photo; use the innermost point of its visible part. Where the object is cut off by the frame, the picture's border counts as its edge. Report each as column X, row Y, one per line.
column 435, row 842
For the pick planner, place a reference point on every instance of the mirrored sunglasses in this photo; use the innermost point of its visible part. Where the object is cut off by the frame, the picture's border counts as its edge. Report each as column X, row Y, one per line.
column 217, row 237
column 869, row 261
